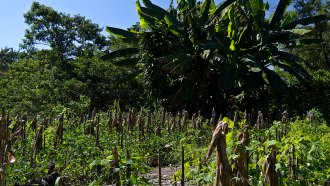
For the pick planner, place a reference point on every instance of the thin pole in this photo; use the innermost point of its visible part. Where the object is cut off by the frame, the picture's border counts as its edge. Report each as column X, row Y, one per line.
column 159, row 170
column 182, row 177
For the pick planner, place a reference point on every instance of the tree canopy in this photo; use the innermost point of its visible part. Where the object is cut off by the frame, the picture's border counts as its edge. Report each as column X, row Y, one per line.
column 196, row 54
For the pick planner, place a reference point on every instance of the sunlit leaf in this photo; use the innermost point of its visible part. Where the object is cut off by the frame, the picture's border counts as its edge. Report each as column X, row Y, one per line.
column 133, row 179
column 300, row 31
column 120, row 32
column 229, row 121
column 223, row 5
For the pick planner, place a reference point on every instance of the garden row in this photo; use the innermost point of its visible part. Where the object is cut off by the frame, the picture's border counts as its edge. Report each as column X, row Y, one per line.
column 121, row 147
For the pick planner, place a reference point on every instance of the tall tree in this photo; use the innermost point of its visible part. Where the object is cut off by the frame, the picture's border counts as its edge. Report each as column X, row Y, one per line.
column 307, row 8
column 68, row 36
column 7, row 57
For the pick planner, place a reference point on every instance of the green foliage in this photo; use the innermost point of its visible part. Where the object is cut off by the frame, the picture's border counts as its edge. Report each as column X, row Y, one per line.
column 308, row 140
column 28, row 87
column 68, row 73
column 7, row 56
column 80, row 162
column 213, row 52
column 301, row 148
column 316, row 57
column 68, row 36
column 315, row 95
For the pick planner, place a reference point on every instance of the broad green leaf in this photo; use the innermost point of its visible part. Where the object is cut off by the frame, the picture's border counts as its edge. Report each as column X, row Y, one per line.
column 308, row 41
column 227, row 76
column 229, row 121
column 251, row 63
column 174, row 25
column 188, row 90
column 120, row 53
column 232, row 24
column 129, row 62
column 292, row 66
column 145, row 20
column 300, row 31
column 149, row 4
column 94, row 163
column 242, row 32
column 206, row 6
column 152, row 13
column 269, row 143
column 288, row 56
column 224, row 5
column 280, row 9
column 229, row 137
column 256, row 6
column 299, row 72
column 182, row 5
column 288, row 19
column 232, row 45
column 128, row 78
column 120, row 32
column 275, row 81
column 305, row 21
column 133, row 179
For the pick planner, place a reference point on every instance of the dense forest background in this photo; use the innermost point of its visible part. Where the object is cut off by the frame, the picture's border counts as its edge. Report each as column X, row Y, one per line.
column 63, row 62
column 252, row 85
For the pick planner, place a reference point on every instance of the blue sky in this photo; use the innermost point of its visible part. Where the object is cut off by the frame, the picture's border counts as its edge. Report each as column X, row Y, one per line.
column 116, row 13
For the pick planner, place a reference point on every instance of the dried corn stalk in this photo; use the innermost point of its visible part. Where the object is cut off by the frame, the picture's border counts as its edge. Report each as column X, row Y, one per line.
column 241, row 162
column 223, row 172
column 213, row 119
column 193, row 122
column 59, row 130
column 116, row 164
column 199, row 120
column 37, row 144
column 269, row 169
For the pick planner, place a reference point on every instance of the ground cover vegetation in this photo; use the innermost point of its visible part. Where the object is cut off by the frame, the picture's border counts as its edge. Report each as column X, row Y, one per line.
column 120, row 148
column 82, row 108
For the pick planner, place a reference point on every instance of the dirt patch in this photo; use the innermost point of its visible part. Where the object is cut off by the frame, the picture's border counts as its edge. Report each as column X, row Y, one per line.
column 167, row 173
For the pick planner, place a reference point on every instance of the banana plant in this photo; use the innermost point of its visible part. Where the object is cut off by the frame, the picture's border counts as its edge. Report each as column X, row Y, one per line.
column 194, row 53
column 178, row 50
column 260, row 44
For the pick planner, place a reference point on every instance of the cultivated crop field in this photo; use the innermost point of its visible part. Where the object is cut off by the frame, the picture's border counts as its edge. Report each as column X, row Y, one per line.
column 120, row 148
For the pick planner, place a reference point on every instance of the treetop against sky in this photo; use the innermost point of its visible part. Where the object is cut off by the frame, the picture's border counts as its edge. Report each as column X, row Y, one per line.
column 116, row 13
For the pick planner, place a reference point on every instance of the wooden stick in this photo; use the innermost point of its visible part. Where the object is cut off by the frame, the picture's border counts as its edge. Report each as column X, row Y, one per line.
column 159, row 170
column 182, row 177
